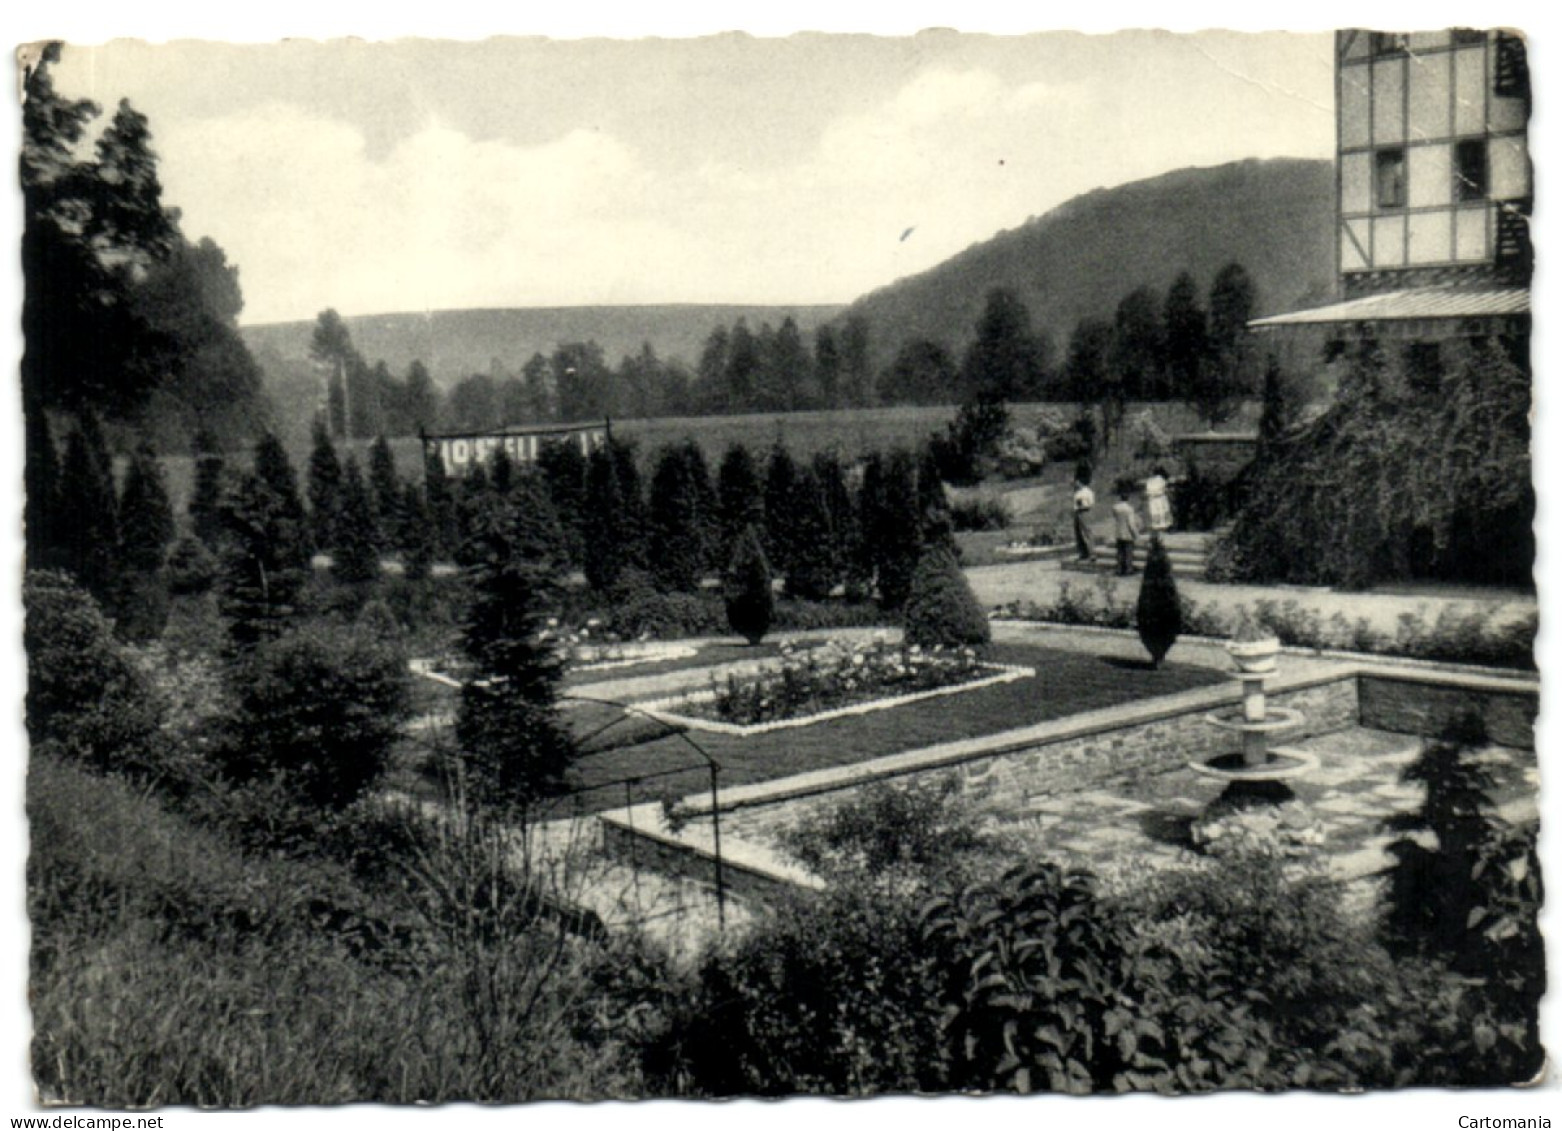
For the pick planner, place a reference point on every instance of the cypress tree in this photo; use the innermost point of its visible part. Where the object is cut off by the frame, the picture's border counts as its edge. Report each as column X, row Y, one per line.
column 941, row 610
column 675, row 524
column 605, row 553
column 385, row 494
column 862, row 567
column 91, row 543
column 740, row 501
column 1159, row 615
column 260, row 577
column 146, row 523
column 472, row 495
column 838, row 506
column 325, row 487
column 275, row 470
column 515, row 746
column 501, row 471
column 780, row 532
column 813, row 549
column 707, row 523
column 631, row 494
column 441, row 504
column 746, row 588
column 41, row 510
column 897, row 539
column 421, row 535
column 206, row 497
column 355, row 558
column 563, row 467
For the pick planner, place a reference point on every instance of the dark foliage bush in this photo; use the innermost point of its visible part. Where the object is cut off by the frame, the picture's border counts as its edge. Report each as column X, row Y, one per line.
column 969, row 443
column 86, row 698
column 1077, row 442
column 835, row 994
column 918, row 829
column 1474, row 897
column 1159, row 613
column 980, row 514
column 941, row 610
column 319, row 709
column 746, row 589
column 191, row 568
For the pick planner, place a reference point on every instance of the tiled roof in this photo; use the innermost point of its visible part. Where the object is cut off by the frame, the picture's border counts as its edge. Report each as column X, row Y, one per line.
column 1394, row 306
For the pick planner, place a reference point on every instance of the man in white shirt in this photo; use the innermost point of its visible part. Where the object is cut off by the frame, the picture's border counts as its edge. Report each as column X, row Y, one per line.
column 1084, row 499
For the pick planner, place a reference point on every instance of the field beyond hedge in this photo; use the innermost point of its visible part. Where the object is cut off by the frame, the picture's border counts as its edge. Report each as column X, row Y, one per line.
column 851, row 432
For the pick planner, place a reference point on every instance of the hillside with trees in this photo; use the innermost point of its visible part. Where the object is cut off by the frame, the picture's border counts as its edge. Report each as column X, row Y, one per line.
column 1079, row 260
column 456, row 343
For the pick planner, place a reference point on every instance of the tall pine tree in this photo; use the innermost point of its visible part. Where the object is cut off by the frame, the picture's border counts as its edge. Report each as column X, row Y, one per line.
column 146, row 522
column 325, row 487
column 675, row 524
column 355, row 558
column 206, row 497
column 275, row 470
column 740, row 500
column 87, row 499
column 515, row 747
column 385, row 488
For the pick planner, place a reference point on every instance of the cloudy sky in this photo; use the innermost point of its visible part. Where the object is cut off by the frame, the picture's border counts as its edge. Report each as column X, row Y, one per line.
column 421, row 174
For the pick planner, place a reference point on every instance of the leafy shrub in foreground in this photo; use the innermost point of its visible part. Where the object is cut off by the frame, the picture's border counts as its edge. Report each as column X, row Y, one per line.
column 84, row 695
column 320, row 708
column 836, row 994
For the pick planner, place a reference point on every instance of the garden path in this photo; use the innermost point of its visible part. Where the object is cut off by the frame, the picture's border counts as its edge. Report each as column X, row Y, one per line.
column 1126, row 826
column 1041, row 582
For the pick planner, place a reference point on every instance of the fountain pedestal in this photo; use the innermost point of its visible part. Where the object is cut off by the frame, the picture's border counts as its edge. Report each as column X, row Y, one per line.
column 1254, row 774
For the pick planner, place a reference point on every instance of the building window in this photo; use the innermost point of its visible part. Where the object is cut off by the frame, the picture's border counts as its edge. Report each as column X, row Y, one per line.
column 1470, row 170
column 1388, row 43
column 1391, row 178
column 1464, row 36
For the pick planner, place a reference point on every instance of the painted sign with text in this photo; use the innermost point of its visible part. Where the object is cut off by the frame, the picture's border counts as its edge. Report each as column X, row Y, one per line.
column 462, row 451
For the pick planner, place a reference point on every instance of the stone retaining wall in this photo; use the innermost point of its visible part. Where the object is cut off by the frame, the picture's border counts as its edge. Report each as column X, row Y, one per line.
column 1423, row 703
column 1007, row 781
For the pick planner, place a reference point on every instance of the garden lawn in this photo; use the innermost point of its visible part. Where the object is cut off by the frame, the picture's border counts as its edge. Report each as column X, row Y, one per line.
column 1066, row 683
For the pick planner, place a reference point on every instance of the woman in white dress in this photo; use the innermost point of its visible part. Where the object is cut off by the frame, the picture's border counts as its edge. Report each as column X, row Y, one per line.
column 1156, row 501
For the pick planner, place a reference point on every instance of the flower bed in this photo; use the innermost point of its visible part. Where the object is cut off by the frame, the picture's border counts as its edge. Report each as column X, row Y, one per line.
column 828, row 681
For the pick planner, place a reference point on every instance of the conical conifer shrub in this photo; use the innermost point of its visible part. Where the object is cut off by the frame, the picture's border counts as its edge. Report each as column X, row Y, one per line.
column 746, row 587
column 941, row 610
column 1160, row 609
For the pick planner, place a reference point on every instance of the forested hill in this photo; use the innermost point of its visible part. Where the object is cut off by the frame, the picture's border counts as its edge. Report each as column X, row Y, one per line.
column 1274, row 217
column 456, row 343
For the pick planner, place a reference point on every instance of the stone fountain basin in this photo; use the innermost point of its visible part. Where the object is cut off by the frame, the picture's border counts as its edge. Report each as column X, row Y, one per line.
column 1282, row 764
column 1275, row 719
